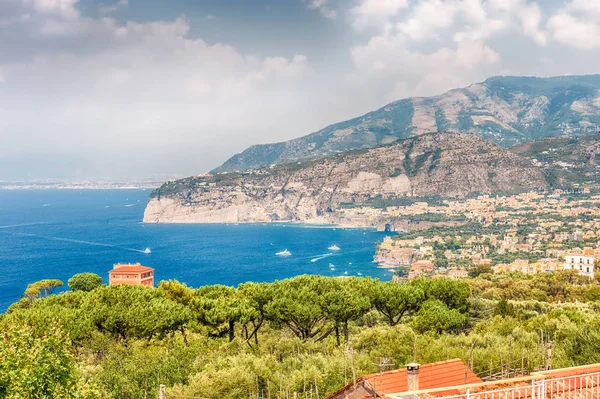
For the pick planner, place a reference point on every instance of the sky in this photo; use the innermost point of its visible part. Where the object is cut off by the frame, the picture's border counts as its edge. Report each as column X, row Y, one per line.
column 119, row 89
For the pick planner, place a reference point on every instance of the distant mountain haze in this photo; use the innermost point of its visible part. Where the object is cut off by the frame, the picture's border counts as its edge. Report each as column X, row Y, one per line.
column 505, row 110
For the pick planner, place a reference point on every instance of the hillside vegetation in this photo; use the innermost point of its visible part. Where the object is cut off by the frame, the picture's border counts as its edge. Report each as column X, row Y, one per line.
column 565, row 160
column 296, row 335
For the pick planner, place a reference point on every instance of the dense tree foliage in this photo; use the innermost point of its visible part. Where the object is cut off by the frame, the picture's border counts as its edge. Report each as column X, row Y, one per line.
column 396, row 300
column 42, row 288
column 296, row 335
column 84, row 282
column 35, row 364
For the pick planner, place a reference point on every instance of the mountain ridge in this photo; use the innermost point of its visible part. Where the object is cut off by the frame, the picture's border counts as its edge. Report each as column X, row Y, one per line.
column 448, row 164
column 504, row 109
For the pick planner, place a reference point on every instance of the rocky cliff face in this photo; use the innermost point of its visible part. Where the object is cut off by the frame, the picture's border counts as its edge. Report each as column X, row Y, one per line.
column 444, row 164
column 505, row 110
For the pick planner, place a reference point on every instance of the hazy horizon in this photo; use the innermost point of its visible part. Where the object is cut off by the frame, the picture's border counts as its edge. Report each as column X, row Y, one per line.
column 121, row 89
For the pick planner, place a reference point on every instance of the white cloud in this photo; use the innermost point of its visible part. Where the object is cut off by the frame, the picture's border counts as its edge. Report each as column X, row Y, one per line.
column 427, row 18
column 388, row 58
column 585, row 6
column 99, row 84
column 473, row 19
column 435, row 45
column 427, row 46
column 577, row 24
column 72, row 84
column 375, row 12
column 531, row 18
column 64, row 8
column 576, row 32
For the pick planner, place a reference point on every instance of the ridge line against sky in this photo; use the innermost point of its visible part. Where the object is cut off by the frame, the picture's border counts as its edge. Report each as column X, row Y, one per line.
column 133, row 88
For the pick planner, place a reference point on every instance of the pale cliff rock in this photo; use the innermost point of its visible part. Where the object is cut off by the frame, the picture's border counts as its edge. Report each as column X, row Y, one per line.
column 444, row 164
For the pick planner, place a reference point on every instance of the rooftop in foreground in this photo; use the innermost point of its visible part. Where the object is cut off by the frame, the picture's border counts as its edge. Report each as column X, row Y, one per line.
column 427, row 376
column 568, row 383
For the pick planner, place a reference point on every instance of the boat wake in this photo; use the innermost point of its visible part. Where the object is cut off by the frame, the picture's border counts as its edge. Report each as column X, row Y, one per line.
column 93, row 243
column 20, row 225
column 319, row 257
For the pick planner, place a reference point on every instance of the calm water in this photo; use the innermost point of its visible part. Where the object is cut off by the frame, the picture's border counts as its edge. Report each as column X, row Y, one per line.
column 58, row 233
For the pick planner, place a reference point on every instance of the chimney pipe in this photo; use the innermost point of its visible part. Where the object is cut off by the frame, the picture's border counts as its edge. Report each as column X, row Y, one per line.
column 412, row 376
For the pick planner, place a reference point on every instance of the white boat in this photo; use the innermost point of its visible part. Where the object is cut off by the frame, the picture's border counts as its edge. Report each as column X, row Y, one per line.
column 147, row 250
column 284, row 253
column 334, row 248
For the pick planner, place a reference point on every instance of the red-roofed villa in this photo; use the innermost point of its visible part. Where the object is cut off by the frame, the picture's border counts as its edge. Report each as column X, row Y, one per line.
column 131, row 274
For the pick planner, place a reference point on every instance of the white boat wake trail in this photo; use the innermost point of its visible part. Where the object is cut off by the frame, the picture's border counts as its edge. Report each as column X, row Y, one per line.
column 319, row 257
column 20, row 225
column 96, row 244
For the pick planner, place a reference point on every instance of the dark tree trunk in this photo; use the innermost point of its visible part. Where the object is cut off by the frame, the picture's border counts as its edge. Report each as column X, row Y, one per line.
column 231, row 330
column 322, row 337
column 254, row 332
column 337, row 334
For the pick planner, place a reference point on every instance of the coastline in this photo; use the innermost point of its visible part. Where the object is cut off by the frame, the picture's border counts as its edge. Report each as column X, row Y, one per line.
column 75, row 187
column 283, row 223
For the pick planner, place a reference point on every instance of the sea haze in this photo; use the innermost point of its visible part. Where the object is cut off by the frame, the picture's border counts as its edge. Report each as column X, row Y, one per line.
column 58, row 233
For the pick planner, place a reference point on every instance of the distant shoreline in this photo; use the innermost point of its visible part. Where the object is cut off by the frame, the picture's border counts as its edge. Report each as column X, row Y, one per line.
column 275, row 222
column 74, row 187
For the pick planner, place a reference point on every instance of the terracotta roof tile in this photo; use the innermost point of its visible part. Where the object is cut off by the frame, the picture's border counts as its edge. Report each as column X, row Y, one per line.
column 131, row 269
column 433, row 375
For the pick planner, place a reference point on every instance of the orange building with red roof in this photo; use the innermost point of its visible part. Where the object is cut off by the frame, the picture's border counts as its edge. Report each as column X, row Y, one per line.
column 131, row 274
column 412, row 378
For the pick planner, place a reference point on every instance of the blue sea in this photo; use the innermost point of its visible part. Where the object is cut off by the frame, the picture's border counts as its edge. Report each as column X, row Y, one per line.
column 58, row 233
